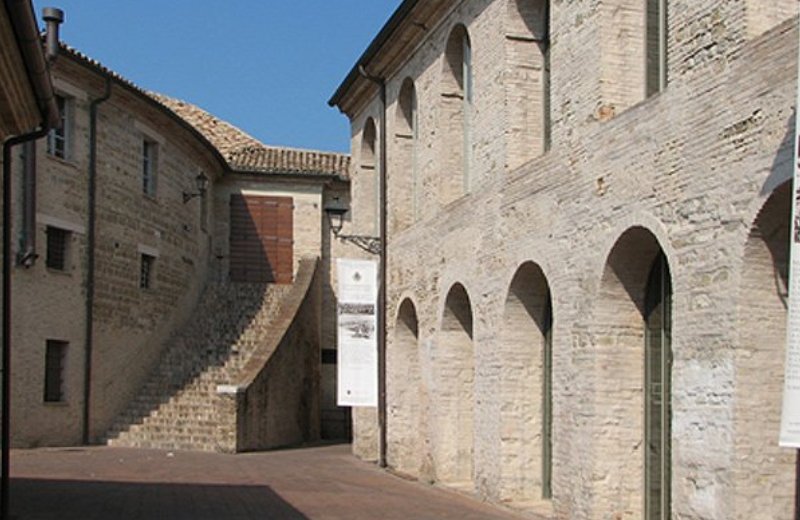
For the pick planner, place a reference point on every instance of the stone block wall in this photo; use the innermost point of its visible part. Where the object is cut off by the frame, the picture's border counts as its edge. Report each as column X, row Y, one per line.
column 131, row 324
column 685, row 172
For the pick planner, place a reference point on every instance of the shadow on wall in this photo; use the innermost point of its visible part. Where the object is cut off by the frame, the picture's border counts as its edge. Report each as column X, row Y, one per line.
column 782, row 166
column 47, row 499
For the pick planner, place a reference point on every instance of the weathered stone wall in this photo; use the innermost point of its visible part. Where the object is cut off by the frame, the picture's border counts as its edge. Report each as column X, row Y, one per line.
column 278, row 402
column 131, row 324
column 684, row 172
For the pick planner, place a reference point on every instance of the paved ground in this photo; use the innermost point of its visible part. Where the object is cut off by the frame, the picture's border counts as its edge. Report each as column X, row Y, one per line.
column 316, row 483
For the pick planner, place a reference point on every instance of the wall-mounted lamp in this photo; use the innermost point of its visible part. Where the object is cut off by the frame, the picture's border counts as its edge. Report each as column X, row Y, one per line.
column 335, row 209
column 201, row 181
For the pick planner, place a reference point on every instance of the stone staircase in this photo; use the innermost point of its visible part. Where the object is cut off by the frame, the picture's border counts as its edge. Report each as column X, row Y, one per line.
column 178, row 407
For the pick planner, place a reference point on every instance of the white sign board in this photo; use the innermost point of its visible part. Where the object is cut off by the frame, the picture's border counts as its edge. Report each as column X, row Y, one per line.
column 790, row 416
column 357, row 380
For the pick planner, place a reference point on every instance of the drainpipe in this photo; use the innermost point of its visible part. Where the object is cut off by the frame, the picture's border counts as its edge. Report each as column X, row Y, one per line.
column 90, row 261
column 381, row 82
column 26, row 256
column 26, row 34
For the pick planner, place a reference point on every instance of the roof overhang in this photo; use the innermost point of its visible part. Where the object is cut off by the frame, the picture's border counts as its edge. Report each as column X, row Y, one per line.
column 404, row 31
column 26, row 53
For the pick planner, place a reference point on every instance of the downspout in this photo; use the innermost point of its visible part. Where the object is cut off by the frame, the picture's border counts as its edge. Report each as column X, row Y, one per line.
column 91, row 242
column 26, row 33
column 381, row 82
column 5, row 403
column 26, row 256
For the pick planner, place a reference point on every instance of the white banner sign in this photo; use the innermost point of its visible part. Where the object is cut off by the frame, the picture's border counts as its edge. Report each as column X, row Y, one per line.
column 357, row 382
column 790, row 416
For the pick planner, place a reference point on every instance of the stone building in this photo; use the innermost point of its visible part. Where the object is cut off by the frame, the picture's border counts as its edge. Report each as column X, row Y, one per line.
column 587, row 242
column 171, row 275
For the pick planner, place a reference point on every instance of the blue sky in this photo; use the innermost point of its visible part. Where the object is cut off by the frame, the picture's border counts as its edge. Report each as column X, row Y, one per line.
column 267, row 66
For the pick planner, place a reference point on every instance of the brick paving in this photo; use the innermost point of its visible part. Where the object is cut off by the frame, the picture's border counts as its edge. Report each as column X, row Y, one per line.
column 315, row 483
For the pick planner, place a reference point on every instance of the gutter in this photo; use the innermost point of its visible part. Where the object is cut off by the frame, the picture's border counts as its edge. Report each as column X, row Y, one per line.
column 383, row 36
column 26, row 33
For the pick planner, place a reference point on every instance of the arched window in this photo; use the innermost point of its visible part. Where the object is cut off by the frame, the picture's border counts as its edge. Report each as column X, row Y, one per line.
column 760, row 463
column 657, row 383
column 405, row 176
column 656, row 47
column 454, row 374
column 632, row 332
column 528, row 94
column 526, row 410
column 366, row 185
column 404, row 394
column 456, row 111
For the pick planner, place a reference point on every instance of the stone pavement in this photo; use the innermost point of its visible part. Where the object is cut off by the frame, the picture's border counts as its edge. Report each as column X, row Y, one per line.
column 316, row 483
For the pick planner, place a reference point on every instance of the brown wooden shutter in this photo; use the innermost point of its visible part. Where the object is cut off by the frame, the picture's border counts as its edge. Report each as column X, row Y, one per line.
column 261, row 243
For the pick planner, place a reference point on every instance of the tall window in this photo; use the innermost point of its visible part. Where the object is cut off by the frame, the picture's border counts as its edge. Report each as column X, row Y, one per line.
column 467, row 86
column 656, row 46
column 528, row 95
column 57, row 248
column 146, row 271
column 454, row 123
column 149, row 167
column 54, row 364
column 405, row 158
column 58, row 140
column 658, row 324
column 369, row 191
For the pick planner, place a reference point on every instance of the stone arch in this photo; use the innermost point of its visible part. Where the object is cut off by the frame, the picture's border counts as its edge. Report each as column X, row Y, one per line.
column 455, row 110
column 404, row 393
column 623, row 335
column 453, row 374
column 764, row 474
column 526, row 440
column 528, row 88
column 405, row 181
column 367, row 182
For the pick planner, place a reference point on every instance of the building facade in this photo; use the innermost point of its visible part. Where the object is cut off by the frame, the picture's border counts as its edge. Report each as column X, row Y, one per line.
column 588, row 231
column 162, row 258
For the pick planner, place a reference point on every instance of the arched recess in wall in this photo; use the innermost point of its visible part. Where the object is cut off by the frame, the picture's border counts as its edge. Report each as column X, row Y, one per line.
column 528, row 84
column 764, row 474
column 526, row 375
column 454, row 371
column 455, row 112
column 404, row 174
column 632, row 351
column 366, row 188
column 405, row 397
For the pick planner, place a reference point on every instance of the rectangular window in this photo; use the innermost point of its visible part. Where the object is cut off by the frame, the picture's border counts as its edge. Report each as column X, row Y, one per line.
column 57, row 248
column 149, row 165
column 656, row 46
column 146, row 271
column 54, row 365
column 58, row 140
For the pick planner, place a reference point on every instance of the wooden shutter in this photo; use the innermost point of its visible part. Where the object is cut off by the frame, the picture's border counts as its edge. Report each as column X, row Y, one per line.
column 261, row 242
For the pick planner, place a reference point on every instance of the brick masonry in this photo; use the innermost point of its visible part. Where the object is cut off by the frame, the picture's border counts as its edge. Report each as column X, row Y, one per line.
column 686, row 171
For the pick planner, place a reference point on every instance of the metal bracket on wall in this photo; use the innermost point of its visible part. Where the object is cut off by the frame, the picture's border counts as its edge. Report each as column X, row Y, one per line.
column 366, row 243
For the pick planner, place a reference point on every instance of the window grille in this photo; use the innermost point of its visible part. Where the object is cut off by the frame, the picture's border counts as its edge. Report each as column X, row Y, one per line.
column 57, row 241
column 149, row 157
column 146, row 271
column 54, row 364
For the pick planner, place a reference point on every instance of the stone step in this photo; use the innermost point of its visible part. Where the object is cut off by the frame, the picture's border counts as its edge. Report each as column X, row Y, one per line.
column 176, row 407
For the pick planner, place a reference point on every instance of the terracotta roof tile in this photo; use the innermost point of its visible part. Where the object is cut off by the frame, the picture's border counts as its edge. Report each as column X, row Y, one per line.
column 246, row 153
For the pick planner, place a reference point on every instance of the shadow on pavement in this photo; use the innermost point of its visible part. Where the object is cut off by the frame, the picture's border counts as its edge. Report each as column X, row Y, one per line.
column 40, row 499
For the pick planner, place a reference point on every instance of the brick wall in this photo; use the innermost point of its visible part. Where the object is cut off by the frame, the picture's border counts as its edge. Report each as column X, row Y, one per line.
column 685, row 172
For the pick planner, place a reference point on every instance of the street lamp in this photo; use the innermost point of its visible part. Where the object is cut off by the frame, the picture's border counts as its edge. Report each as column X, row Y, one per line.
column 201, row 182
column 336, row 209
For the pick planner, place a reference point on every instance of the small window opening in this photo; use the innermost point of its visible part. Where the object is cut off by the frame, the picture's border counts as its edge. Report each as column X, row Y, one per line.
column 54, row 364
